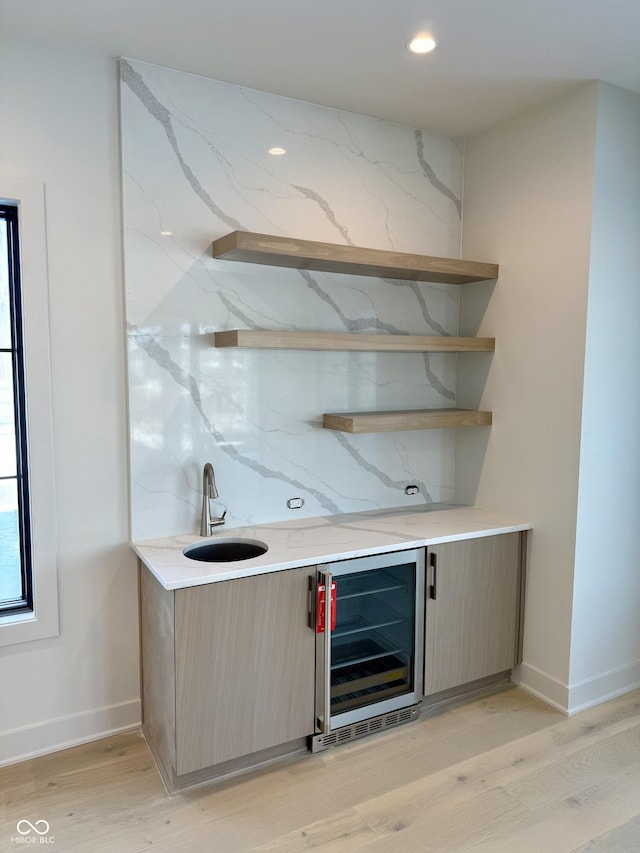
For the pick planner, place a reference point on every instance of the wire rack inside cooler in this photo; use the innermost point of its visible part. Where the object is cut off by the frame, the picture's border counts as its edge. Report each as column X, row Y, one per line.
column 366, row 669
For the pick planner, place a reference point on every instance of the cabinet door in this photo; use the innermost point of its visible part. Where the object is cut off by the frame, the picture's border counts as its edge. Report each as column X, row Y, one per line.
column 244, row 667
column 472, row 614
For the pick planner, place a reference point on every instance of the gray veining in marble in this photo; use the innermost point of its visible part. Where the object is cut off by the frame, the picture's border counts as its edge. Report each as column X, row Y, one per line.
column 329, row 213
column 431, row 175
column 159, row 112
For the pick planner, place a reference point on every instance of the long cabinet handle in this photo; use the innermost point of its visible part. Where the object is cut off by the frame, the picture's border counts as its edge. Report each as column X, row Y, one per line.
column 433, row 562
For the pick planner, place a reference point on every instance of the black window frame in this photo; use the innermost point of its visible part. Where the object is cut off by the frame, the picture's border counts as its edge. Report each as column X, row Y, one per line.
column 9, row 213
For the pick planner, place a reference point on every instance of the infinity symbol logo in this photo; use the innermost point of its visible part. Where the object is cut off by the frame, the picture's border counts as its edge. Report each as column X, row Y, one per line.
column 41, row 827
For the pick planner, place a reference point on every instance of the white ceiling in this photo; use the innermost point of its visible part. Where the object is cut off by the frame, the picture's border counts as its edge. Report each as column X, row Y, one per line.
column 495, row 57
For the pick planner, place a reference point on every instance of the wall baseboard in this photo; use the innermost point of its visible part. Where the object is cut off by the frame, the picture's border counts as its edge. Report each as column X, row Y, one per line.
column 53, row 735
column 542, row 685
column 602, row 687
column 572, row 698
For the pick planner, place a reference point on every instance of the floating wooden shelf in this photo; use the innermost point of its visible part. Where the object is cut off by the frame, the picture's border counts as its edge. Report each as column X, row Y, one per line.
column 262, row 339
column 332, row 257
column 359, row 422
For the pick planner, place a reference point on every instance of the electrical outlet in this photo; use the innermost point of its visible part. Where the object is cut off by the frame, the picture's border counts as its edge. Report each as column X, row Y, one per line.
column 411, row 490
column 295, row 503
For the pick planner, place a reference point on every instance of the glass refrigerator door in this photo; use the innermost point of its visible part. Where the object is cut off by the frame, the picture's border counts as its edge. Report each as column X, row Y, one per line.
column 373, row 642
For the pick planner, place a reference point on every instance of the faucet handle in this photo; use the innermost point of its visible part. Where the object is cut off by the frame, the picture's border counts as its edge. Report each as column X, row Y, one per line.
column 216, row 522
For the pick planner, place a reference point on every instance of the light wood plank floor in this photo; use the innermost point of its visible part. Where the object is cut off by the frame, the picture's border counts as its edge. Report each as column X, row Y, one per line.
column 501, row 773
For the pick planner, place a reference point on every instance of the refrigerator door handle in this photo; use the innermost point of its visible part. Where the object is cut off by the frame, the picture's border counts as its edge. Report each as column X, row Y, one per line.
column 326, row 579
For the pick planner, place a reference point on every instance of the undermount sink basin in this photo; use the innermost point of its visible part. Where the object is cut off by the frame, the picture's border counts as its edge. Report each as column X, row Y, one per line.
column 225, row 550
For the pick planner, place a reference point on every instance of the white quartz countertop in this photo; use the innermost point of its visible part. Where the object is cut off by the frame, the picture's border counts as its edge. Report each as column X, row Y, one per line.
column 312, row 541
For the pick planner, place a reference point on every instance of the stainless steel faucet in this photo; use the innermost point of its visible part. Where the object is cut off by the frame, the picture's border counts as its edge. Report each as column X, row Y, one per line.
column 209, row 492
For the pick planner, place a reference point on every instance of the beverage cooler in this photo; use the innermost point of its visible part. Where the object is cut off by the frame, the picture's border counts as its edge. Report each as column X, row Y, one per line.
column 369, row 623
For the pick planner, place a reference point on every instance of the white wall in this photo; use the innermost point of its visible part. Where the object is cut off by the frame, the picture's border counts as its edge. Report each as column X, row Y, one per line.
column 527, row 204
column 59, row 124
column 605, row 648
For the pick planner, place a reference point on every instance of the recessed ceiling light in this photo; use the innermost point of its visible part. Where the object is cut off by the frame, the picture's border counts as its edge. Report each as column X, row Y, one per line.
column 423, row 43
column 277, row 152
column 166, row 233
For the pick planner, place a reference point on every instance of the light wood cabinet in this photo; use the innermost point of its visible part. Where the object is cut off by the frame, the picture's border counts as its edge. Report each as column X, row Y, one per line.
column 244, row 667
column 228, row 671
column 473, row 610
column 229, row 668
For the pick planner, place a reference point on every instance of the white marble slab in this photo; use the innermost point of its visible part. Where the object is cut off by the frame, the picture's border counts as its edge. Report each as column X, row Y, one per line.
column 196, row 166
column 322, row 540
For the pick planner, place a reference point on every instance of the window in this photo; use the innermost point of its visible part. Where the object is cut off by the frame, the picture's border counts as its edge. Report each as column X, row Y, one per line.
column 15, row 546
column 28, row 541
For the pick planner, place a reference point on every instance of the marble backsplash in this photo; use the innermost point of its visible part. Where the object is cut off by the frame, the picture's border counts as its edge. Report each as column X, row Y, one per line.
column 196, row 166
